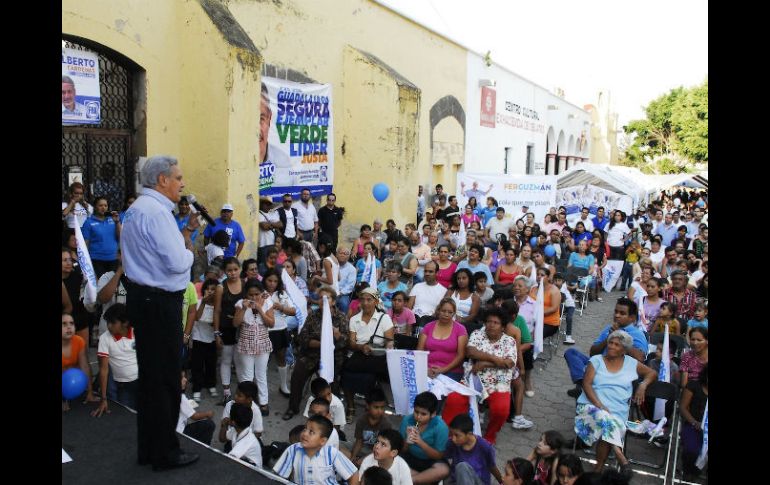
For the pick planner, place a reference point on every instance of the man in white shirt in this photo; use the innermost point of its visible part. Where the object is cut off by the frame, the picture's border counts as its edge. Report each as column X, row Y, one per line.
column 347, row 279
column 584, row 218
column 657, row 220
column 498, row 225
column 425, row 296
column 268, row 221
column 307, row 216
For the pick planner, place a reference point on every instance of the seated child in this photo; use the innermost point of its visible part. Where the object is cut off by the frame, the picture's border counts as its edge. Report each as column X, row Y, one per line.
column 243, row 444
column 482, row 289
column 202, row 427
column 700, row 316
column 312, row 461
column 370, row 425
column 569, row 306
column 426, row 436
column 666, row 316
column 472, row 458
column 377, row 476
column 403, row 318
column 385, row 455
column 320, row 388
column 117, row 353
column 320, row 407
column 245, row 394
column 274, row 450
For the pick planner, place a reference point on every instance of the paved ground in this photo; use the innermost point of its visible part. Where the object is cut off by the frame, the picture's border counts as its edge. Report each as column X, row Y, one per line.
column 550, row 407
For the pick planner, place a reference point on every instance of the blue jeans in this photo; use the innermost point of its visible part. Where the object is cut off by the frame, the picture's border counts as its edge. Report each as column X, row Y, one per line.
column 570, row 311
column 343, row 303
column 127, row 393
column 576, row 361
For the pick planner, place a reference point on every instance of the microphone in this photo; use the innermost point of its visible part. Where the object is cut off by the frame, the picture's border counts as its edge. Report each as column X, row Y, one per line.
column 191, row 199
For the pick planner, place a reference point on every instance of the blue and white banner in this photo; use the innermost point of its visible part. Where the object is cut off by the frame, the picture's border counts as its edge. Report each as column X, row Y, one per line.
column 84, row 259
column 539, row 317
column 326, row 368
column 664, row 374
column 372, row 263
column 408, row 371
column 80, row 96
column 611, row 274
column 296, row 142
column 512, row 192
column 703, row 458
column 297, row 298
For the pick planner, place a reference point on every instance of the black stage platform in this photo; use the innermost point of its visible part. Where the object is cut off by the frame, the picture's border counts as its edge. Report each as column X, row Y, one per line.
column 103, row 451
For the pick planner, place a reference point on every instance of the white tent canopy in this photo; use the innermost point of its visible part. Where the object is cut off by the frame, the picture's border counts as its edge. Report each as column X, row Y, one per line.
column 622, row 180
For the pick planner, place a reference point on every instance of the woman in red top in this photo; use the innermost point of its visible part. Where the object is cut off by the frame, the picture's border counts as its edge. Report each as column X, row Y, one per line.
column 73, row 354
column 508, row 270
column 446, row 268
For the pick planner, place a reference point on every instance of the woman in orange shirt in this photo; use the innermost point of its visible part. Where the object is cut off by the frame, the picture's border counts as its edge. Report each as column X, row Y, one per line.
column 551, row 302
column 73, row 354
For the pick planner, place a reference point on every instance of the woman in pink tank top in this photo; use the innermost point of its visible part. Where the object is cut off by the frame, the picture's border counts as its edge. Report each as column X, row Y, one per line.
column 446, row 340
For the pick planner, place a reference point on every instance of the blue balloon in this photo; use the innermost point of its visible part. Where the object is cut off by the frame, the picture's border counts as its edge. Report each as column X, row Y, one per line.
column 380, row 192
column 533, row 241
column 549, row 251
column 73, row 383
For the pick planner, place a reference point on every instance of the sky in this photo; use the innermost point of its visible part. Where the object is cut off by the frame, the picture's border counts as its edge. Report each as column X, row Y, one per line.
column 635, row 50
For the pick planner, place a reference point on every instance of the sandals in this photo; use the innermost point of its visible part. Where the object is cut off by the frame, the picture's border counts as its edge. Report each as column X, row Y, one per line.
column 288, row 415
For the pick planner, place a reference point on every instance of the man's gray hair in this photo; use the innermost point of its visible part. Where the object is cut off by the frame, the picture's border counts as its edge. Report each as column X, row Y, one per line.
column 625, row 339
column 154, row 167
column 525, row 279
column 67, row 80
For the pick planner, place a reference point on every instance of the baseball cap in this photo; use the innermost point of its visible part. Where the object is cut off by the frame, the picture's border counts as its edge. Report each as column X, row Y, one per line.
column 227, row 207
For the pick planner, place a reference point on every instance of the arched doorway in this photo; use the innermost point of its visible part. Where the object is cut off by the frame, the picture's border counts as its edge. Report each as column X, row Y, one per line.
column 104, row 156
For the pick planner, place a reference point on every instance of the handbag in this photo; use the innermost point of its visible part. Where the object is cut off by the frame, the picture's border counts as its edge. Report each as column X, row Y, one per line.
column 360, row 362
column 405, row 342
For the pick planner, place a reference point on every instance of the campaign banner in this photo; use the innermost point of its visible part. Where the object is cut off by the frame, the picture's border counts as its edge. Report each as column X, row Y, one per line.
column 80, row 98
column 611, row 274
column 578, row 196
column 512, row 192
column 408, row 371
column 296, row 138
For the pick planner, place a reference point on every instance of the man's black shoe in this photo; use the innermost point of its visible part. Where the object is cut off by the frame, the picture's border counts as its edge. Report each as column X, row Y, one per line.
column 182, row 459
column 575, row 392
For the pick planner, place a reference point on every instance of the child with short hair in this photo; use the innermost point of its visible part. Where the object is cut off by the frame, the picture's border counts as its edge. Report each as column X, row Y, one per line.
column 370, row 425
column 472, row 458
column 426, row 437
column 569, row 306
column 302, row 462
column 320, row 407
column 387, row 447
column 319, row 387
column 377, row 476
column 243, row 444
column 117, row 352
column 202, row 427
column 484, row 292
column 402, row 316
column 545, row 457
column 700, row 317
column 245, row 394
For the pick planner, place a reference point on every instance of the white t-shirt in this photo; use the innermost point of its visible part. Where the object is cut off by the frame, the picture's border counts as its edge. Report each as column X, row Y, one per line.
column 657, row 258
column 568, row 300
column 118, row 297
column 280, row 318
column 364, row 331
column 616, row 235
column 289, row 230
column 79, row 212
column 245, row 445
column 256, row 420
column 267, row 237
column 399, row 470
column 497, row 226
column 202, row 330
column 426, row 298
column 122, row 354
column 336, row 408
column 306, row 216
column 213, row 251
column 185, row 411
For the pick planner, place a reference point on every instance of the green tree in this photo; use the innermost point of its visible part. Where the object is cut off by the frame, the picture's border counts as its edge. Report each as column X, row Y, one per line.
column 674, row 135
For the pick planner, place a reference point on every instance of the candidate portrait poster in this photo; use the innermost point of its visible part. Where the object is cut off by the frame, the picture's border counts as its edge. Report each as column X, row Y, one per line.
column 576, row 197
column 512, row 192
column 80, row 99
column 296, row 138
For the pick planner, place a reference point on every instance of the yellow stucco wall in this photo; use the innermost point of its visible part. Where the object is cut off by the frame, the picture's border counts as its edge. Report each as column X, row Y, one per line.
column 200, row 92
column 312, row 37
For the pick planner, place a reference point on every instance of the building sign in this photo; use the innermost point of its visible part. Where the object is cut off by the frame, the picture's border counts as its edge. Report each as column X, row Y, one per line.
column 80, row 98
column 296, row 144
column 488, row 97
column 521, row 117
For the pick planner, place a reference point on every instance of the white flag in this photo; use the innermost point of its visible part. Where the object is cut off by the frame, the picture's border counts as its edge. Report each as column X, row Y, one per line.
column 703, row 458
column 367, row 268
column 462, row 235
column 372, row 272
column 664, row 375
column 611, row 274
column 539, row 316
column 84, row 259
column 326, row 369
column 297, row 298
column 408, row 371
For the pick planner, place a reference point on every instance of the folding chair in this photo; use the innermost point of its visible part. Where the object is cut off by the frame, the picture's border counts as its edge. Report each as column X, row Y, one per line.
column 574, row 276
column 670, row 392
column 550, row 344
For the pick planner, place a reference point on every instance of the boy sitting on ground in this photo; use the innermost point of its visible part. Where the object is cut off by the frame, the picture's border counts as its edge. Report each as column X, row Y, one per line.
column 369, row 425
column 385, row 455
column 472, row 457
column 320, row 407
column 245, row 394
column 426, row 436
column 243, row 444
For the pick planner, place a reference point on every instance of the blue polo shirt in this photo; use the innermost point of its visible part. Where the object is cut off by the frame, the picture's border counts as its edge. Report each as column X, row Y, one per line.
column 600, row 224
column 640, row 341
column 233, row 230
column 102, row 241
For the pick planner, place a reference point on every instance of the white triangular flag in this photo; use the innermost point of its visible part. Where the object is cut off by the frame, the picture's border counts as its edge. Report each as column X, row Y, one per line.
column 84, row 259
column 326, row 369
column 539, row 317
column 297, row 298
column 372, row 272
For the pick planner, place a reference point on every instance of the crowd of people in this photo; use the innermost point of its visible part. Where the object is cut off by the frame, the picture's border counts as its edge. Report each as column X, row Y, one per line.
column 460, row 282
